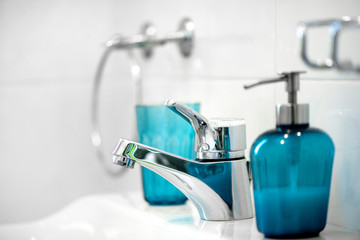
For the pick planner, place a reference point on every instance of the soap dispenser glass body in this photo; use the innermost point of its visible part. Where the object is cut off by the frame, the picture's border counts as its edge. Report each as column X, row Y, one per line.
column 292, row 168
column 160, row 128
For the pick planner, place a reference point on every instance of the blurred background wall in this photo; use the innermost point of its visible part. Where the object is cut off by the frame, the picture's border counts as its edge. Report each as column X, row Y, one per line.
column 49, row 51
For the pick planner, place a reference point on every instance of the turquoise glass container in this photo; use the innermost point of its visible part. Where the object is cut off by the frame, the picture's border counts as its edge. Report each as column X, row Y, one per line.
column 161, row 128
column 292, row 168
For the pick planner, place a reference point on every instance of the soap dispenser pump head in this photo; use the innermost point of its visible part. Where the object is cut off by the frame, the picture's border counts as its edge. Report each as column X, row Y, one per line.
column 291, row 113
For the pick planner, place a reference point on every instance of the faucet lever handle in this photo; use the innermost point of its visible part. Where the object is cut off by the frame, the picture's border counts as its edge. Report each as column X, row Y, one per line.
column 216, row 139
column 200, row 124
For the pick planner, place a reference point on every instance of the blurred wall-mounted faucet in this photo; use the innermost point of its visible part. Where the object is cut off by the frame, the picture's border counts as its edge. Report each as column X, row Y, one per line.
column 149, row 39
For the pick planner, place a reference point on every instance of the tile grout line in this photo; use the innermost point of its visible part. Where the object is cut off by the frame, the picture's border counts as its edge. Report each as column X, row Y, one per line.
column 275, row 38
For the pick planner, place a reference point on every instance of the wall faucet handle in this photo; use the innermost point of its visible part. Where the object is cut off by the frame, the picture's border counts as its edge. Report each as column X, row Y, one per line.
column 216, row 139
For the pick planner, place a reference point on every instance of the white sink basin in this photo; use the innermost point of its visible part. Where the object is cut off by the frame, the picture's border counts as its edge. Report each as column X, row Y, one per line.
column 130, row 217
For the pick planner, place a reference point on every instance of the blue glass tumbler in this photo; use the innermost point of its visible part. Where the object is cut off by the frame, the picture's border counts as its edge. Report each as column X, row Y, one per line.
column 161, row 128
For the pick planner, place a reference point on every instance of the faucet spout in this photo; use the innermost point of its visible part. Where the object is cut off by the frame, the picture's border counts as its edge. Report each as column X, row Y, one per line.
column 219, row 190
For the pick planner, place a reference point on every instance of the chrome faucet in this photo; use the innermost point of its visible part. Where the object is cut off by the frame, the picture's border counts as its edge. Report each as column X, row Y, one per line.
column 217, row 182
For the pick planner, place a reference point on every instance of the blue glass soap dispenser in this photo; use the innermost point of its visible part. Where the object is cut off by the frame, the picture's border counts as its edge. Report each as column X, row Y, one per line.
column 291, row 168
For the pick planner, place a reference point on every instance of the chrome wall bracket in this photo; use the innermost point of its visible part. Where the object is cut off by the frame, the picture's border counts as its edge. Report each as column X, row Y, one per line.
column 149, row 39
column 335, row 27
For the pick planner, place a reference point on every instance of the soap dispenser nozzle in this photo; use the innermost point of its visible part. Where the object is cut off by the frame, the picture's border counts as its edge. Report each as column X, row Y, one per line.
column 291, row 113
column 292, row 80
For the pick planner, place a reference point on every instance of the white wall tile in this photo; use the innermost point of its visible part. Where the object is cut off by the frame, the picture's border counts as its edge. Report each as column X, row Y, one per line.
column 338, row 113
column 49, row 39
column 47, row 157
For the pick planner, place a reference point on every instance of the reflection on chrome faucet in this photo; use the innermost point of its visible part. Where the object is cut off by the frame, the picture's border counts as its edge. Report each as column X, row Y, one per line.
column 221, row 194
column 218, row 176
column 217, row 182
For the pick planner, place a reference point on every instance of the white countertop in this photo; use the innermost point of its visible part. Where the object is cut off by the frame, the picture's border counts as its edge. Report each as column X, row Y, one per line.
column 130, row 217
